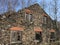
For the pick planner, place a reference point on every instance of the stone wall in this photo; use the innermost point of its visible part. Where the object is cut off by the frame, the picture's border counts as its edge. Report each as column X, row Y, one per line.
column 28, row 36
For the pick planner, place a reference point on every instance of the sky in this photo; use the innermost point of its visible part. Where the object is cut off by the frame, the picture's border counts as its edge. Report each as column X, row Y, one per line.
column 50, row 5
column 4, row 6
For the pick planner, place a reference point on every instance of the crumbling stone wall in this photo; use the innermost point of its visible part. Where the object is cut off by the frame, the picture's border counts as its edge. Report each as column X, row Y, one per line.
column 5, row 37
column 28, row 36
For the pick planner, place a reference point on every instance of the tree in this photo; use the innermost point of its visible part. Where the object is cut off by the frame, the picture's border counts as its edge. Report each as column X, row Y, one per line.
column 12, row 4
column 55, row 8
column 30, row 2
column 2, row 5
column 43, row 4
column 22, row 3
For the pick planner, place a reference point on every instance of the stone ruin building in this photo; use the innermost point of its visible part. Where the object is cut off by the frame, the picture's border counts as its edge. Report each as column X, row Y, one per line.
column 29, row 26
